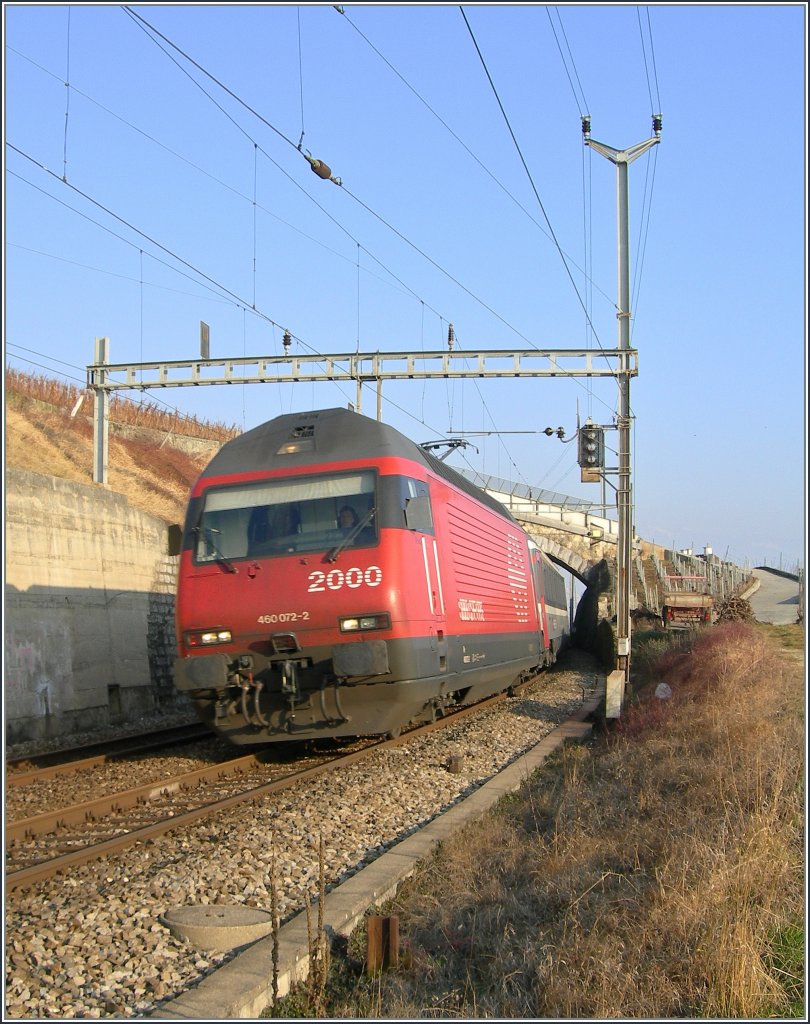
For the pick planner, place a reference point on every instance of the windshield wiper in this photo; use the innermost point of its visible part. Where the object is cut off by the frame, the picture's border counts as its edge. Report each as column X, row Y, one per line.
column 331, row 556
column 219, row 558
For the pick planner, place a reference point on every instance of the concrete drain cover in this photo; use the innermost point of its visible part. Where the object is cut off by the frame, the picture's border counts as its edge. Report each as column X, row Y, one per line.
column 218, row 928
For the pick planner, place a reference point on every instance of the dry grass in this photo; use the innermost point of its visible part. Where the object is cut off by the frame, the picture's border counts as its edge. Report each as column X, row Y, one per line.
column 43, row 437
column 652, row 875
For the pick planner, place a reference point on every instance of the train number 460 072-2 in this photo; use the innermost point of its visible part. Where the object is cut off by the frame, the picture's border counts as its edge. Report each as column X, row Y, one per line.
column 336, row 579
column 270, row 620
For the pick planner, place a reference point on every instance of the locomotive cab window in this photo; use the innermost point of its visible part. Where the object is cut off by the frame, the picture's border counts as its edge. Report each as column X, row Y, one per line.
column 276, row 517
column 416, row 505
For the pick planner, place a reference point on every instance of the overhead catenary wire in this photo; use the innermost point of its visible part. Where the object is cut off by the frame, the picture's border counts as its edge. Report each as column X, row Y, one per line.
column 586, row 162
column 255, row 225
column 653, row 61
column 52, row 359
column 655, row 110
column 498, row 433
column 242, row 195
column 652, row 161
column 438, row 266
column 643, row 233
column 67, row 97
column 465, row 147
column 244, row 306
column 241, row 302
column 371, row 254
column 81, row 380
column 143, row 234
column 529, row 175
column 180, row 259
column 115, row 234
column 654, row 107
column 300, row 76
column 421, row 98
column 145, row 24
column 233, row 295
column 582, row 105
column 121, row 277
column 646, row 204
column 525, row 166
column 588, row 317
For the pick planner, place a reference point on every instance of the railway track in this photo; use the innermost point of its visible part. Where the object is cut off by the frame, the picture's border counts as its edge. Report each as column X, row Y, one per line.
column 45, row 844
column 22, row 771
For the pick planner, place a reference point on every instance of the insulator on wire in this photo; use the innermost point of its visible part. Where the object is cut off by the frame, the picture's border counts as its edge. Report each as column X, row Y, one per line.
column 586, row 126
column 657, row 123
column 451, row 337
column 286, row 341
column 321, row 169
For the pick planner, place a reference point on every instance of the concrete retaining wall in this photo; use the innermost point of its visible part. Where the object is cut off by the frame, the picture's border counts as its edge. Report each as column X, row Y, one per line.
column 89, row 609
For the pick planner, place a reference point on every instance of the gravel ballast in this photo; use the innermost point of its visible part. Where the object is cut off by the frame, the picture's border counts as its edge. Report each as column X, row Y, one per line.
column 91, row 945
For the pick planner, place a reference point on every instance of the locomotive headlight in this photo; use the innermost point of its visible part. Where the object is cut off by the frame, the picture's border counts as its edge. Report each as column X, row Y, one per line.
column 363, row 623
column 208, row 637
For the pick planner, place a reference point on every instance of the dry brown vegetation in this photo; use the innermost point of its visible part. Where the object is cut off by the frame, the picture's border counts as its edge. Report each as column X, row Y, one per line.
column 148, row 465
column 656, row 873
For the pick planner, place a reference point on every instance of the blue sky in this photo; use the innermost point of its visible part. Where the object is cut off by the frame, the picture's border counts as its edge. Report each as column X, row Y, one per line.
column 182, row 205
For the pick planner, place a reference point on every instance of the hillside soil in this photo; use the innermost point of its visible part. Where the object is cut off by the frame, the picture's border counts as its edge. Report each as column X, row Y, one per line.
column 149, row 468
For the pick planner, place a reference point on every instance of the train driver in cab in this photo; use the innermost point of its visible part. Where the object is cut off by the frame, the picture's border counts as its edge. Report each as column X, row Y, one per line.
column 347, row 519
column 355, row 531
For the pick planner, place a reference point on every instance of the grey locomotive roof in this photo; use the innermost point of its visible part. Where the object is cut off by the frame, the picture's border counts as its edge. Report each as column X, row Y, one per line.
column 327, row 435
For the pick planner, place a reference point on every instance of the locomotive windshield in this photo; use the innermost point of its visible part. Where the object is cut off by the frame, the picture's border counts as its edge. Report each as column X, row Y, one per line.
column 275, row 517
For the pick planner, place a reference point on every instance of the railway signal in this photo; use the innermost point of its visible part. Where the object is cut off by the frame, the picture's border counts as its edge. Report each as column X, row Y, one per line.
column 591, row 456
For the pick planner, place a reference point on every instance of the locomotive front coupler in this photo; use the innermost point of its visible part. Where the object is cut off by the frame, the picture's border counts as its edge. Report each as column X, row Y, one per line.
column 289, row 680
column 335, row 684
column 248, row 683
column 243, row 677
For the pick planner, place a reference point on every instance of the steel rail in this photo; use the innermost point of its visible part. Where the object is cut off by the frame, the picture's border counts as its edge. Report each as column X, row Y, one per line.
column 93, row 810
column 108, row 750
column 48, row 868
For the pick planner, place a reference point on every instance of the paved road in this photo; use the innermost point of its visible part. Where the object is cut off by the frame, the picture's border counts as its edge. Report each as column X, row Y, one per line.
column 776, row 600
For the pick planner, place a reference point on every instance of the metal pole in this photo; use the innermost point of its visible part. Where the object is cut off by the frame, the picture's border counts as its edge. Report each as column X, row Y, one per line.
column 624, row 494
column 624, row 549
column 101, row 420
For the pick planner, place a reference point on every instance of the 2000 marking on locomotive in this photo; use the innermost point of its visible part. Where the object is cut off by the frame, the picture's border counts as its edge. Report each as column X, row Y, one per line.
column 380, row 642
column 335, row 579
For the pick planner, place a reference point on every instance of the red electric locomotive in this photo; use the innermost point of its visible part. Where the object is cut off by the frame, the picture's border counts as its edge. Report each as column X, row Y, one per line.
column 338, row 580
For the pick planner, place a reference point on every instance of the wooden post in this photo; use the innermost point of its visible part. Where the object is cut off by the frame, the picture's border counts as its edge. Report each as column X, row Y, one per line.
column 382, row 943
